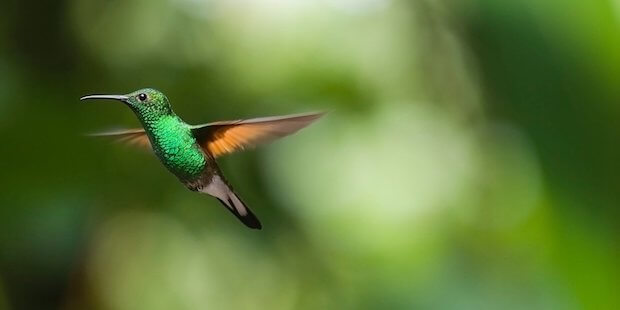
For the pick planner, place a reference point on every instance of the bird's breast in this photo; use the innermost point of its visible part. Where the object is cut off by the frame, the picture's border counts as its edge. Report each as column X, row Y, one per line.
column 179, row 152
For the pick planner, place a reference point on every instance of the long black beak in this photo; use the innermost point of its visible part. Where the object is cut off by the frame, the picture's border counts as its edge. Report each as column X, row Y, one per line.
column 113, row 97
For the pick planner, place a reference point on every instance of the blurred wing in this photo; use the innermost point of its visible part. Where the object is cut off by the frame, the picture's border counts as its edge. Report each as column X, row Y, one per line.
column 226, row 137
column 131, row 137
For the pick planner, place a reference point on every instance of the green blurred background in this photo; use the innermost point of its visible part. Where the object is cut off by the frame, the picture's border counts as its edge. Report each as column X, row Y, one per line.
column 470, row 158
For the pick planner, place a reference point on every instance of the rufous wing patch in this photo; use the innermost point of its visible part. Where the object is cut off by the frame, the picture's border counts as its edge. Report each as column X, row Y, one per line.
column 226, row 137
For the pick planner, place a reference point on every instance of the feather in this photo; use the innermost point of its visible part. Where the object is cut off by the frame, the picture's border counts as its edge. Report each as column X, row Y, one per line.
column 130, row 137
column 220, row 138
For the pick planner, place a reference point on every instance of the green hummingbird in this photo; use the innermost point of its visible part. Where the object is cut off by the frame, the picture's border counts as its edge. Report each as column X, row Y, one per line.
column 190, row 151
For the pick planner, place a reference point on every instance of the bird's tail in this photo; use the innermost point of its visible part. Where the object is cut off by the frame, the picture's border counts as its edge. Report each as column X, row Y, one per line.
column 225, row 194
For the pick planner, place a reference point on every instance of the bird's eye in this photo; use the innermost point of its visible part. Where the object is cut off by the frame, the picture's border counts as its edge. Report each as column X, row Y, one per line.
column 142, row 97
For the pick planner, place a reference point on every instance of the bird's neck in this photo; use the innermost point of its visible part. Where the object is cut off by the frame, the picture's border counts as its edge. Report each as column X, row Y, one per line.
column 153, row 123
column 149, row 116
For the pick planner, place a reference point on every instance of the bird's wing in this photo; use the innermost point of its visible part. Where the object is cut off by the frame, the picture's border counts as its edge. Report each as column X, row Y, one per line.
column 221, row 138
column 130, row 136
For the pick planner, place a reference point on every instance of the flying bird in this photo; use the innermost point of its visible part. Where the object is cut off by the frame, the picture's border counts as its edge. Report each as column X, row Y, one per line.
column 190, row 151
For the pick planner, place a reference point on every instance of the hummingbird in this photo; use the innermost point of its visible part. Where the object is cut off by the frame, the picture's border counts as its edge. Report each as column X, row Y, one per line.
column 190, row 151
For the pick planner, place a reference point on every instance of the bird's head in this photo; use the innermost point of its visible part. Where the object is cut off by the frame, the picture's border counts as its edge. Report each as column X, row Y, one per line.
column 146, row 102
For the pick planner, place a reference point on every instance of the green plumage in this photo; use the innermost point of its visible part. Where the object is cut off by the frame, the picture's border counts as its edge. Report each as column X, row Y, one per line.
column 171, row 138
column 176, row 147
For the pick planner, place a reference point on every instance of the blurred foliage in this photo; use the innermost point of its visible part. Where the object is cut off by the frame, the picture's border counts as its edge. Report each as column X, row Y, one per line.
column 470, row 158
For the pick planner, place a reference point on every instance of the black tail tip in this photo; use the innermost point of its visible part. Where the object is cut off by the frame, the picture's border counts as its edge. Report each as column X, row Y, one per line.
column 249, row 219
